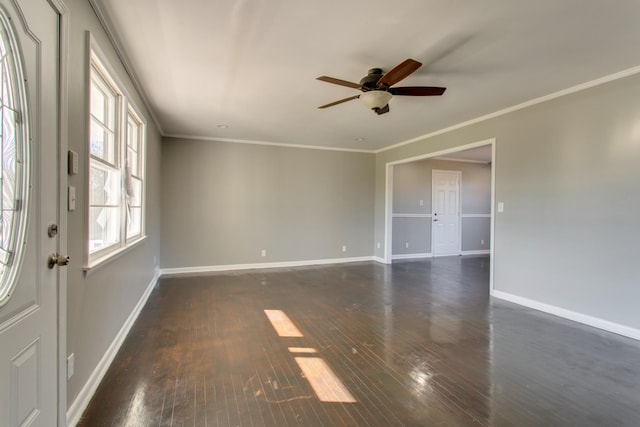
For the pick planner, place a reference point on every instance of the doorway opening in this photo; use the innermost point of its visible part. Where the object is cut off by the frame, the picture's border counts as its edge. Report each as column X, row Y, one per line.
column 441, row 204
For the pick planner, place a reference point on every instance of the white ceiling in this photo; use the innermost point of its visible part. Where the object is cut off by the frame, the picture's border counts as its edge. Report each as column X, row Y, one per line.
column 252, row 64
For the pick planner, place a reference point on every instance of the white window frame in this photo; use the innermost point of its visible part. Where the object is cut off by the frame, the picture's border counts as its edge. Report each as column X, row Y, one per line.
column 125, row 111
column 134, row 115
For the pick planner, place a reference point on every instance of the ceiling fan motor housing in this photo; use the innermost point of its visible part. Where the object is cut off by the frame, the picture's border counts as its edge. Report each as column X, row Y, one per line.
column 369, row 82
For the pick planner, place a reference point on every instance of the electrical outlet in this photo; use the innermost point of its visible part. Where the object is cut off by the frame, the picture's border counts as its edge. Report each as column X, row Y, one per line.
column 263, row 253
column 421, row 202
column 378, row 245
column 70, row 365
column 482, row 242
column 406, row 245
column 500, row 207
column 344, row 248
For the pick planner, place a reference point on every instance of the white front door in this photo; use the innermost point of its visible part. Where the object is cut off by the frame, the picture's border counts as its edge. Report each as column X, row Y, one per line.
column 29, row 201
column 446, row 212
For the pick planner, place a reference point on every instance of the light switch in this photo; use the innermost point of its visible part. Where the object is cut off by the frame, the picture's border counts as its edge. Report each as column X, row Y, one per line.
column 500, row 206
column 71, row 198
column 72, row 160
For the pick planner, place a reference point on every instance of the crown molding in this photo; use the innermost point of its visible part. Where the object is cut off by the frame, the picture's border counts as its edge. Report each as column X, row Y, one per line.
column 578, row 88
column 276, row 144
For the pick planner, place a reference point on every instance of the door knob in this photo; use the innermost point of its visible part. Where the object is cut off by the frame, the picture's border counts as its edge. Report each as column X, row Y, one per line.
column 55, row 259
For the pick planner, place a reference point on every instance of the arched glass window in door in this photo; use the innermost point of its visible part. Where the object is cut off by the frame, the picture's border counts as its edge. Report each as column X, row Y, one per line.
column 14, row 160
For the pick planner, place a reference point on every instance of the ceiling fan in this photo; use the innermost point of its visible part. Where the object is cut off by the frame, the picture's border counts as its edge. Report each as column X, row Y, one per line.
column 376, row 86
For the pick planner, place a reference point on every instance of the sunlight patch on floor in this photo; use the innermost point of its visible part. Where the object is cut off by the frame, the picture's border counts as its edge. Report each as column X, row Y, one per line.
column 282, row 324
column 324, row 382
column 307, row 350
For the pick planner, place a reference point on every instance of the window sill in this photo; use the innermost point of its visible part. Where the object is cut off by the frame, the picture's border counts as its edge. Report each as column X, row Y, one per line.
column 96, row 263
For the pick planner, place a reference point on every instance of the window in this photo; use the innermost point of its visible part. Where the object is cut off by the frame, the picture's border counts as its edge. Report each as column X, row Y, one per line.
column 14, row 160
column 116, row 167
column 133, row 175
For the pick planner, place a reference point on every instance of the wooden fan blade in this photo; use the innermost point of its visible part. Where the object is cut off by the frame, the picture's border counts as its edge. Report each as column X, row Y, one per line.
column 417, row 90
column 399, row 72
column 339, row 102
column 382, row 110
column 339, row 82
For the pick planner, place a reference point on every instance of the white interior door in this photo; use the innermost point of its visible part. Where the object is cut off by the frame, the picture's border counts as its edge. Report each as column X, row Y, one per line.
column 28, row 293
column 445, row 229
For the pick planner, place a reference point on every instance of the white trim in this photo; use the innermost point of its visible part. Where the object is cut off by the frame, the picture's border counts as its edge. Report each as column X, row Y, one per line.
column 475, row 215
column 596, row 322
column 478, row 252
column 583, row 86
column 388, row 210
column 63, row 136
column 456, row 159
column 379, row 259
column 254, row 266
column 411, row 256
column 268, row 143
column 410, row 215
column 492, row 228
column 111, row 256
column 84, row 397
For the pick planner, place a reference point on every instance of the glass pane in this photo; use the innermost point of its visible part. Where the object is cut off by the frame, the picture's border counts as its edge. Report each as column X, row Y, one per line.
column 132, row 134
column 7, row 229
column 102, row 143
column 8, row 158
column 105, row 186
column 7, row 92
column 132, row 162
column 134, row 222
column 97, row 140
column 98, row 103
column 135, row 197
column 98, row 179
column 104, row 227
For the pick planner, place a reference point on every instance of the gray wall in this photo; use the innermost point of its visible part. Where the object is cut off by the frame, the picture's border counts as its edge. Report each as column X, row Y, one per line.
column 223, row 203
column 567, row 172
column 99, row 303
column 412, row 184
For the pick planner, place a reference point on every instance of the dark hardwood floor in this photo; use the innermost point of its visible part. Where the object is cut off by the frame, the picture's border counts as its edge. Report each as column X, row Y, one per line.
column 418, row 343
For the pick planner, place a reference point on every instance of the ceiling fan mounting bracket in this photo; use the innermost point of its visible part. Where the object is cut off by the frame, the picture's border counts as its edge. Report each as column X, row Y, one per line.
column 370, row 81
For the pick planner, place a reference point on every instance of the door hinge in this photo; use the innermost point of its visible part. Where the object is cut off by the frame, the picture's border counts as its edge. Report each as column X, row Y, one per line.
column 18, row 117
column 18, row 205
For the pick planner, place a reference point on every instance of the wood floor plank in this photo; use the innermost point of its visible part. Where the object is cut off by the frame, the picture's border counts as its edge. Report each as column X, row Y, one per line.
column 417, row 343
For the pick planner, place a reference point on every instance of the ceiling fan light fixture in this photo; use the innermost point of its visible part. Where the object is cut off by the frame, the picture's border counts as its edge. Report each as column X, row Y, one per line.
column 376, row 98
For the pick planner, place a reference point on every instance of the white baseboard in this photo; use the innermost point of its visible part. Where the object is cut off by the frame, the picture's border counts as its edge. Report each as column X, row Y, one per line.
column 379, row 259
column 480, row 252
column 411, row 256
column 285, row 264
column 84, row 397
column 596, row 322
